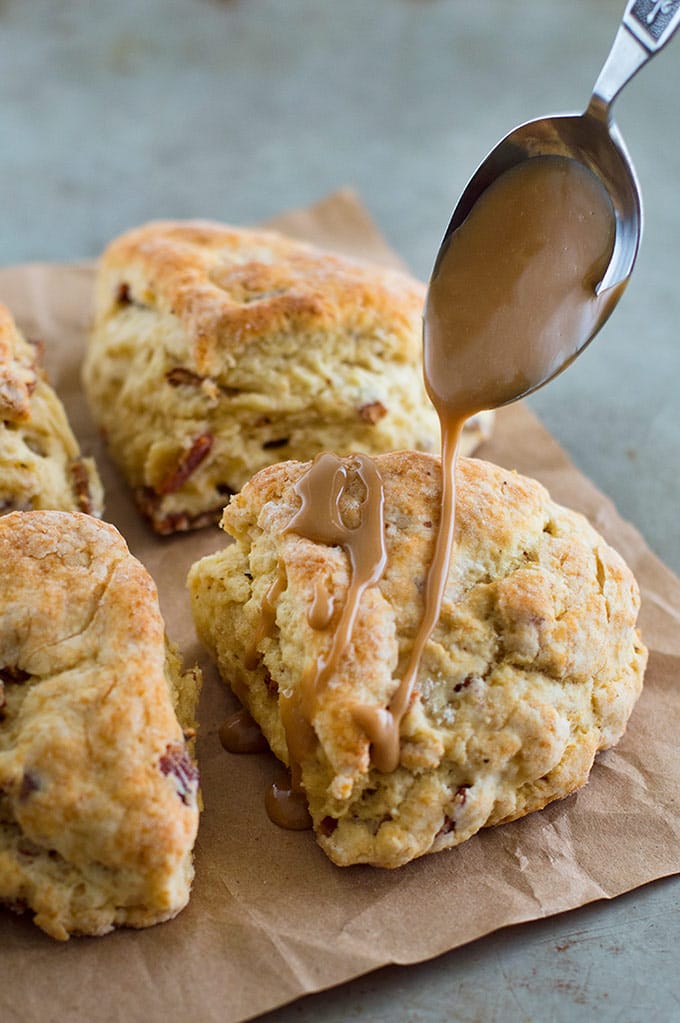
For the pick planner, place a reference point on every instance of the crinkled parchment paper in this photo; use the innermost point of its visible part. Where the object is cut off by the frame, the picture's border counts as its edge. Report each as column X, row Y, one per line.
column 270, row 917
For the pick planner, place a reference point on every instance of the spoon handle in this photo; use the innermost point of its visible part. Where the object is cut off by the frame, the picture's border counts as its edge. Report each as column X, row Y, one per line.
column 646, row 26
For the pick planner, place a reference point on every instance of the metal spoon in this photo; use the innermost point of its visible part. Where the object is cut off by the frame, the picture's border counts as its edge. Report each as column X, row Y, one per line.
column 593, row 139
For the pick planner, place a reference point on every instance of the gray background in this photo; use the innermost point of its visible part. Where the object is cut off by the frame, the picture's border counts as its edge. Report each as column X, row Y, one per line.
column 115, row 111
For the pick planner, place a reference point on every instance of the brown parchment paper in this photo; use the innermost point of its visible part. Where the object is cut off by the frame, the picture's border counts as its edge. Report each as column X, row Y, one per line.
column 270, row 917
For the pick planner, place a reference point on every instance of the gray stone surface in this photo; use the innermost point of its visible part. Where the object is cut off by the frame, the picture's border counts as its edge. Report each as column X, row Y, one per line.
column 115, row 112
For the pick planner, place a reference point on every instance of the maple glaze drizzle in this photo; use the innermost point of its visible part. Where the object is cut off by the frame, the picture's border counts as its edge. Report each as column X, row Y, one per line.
column 267, row 618
column 287, row 807
column 320, row 520
column 321, row 609
column 382, row 724
column 239, row 733
column 511, row 301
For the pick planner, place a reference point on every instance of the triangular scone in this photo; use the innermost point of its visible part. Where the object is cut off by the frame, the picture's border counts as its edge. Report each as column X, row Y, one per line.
column 98, row 791
column 40, row 462
column 218, row 350
column 534, row 666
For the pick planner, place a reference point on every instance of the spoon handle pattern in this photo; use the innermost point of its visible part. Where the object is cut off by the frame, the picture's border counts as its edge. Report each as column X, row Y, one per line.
column 652, row 22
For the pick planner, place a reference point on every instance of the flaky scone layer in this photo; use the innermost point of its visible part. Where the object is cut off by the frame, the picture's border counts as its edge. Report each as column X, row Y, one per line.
column 98, row 792
column 40, row 461
column 218, row 350
column 535, row 664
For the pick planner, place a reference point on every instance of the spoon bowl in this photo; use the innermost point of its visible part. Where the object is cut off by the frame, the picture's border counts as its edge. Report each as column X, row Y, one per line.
column 591, row 140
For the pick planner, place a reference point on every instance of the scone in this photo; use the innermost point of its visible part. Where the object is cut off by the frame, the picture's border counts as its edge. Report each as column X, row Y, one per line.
column 98, row 791
column 534, row 666
column 40, row 462
column 217, row 351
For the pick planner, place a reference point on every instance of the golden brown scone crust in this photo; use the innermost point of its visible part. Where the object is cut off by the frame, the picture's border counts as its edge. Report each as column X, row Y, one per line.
column 535, row 664
column 40, row 462
column 98, row 809
column 18, row 375
column 219, row 350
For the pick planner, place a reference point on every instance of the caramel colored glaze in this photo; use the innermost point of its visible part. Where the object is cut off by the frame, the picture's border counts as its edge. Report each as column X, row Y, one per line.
column 287, row 807
column 239, row 733
column 321, row 609
column 511, row 302
column 319, row 519
column 267, row 618
column 382, row 724
column 300, row 736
